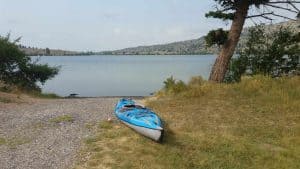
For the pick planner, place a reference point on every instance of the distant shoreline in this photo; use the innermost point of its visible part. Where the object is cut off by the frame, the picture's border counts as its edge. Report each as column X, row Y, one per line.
column 96, row 97
column 128, row 55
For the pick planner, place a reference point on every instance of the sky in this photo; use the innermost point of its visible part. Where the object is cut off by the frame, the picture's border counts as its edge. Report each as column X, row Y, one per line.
column 97, row 25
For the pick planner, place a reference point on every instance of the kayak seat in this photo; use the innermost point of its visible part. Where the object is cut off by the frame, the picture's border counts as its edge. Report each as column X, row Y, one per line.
column 130, row 107
column 123, row 109
column 134, row 106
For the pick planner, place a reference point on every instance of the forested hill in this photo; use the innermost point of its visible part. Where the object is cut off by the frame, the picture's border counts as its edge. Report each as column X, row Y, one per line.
column 195, row 46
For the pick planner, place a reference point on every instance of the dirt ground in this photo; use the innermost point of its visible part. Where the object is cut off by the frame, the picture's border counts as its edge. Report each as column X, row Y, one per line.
column 47, row 133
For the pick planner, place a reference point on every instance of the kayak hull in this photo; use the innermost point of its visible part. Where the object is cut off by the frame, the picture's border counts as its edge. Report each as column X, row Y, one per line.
column 153, row 134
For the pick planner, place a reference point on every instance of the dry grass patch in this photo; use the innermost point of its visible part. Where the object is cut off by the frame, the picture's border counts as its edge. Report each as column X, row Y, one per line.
column 9, row 98
column 5, row 100
column 14, row 141
column 62, row 119
column 2, row 141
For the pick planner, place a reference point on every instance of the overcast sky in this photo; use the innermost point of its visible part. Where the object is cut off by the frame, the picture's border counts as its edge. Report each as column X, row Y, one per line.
column 99, row 25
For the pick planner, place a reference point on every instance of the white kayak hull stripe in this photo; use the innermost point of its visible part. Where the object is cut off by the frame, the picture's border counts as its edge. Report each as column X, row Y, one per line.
column 151, row 133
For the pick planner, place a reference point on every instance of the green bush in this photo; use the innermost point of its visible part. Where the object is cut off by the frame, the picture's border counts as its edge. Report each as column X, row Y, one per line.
column 18, row 69
column 177, row 87
column 174, row 87
column 275, row 53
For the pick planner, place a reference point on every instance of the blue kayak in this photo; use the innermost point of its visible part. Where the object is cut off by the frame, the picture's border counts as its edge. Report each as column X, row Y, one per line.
column 139, row 118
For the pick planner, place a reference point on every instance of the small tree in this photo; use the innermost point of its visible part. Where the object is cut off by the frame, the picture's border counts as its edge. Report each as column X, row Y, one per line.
column 18, row 69
column 274, row 53
column 238, row 12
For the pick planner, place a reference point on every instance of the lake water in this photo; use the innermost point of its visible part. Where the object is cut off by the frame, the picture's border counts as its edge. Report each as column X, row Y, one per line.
column 128, row 75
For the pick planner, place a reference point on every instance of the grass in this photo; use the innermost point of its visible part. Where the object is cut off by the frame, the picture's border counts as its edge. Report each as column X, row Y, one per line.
column 4, row 88
column 252, row 124
column 38, row 125
column 17, row 91
column 15, row 141
column 39, row 94
column 31, row 92
column 2, row 141
column 5, row 100
column 63, row 118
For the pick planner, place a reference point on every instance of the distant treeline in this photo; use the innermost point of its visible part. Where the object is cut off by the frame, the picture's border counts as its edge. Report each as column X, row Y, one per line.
column 34, row 51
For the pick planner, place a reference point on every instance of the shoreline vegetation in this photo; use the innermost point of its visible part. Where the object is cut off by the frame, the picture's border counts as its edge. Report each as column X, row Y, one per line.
column 127, row 55
column 17, row 95
column 251, row 124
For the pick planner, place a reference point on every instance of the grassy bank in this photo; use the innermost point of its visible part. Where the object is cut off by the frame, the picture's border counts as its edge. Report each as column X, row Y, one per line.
column 39, row 94
column 11, row 94
column 252, row 124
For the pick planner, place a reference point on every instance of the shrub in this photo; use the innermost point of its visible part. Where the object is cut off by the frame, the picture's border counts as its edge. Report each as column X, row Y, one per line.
column 18, row 69
column 174, row 87
column 169, row 82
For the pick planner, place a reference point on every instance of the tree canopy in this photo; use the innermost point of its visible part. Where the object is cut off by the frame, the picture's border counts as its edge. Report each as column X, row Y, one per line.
column 18, row 69
column 225, row 9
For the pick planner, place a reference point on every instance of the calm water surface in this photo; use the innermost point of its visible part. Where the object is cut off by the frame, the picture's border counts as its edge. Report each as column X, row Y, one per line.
column 121, row 75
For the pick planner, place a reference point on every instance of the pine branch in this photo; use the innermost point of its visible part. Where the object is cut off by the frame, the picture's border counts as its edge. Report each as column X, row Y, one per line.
column 263, row 15
column 227, row 9
column 283, row 2
column 268, row 18
column 259, row 15
column 294, row 6
column 220, row 15
column 279, row 7
column 283, row 17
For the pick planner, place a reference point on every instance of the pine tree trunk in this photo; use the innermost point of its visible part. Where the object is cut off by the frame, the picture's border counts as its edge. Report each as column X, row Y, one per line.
column 221, row 64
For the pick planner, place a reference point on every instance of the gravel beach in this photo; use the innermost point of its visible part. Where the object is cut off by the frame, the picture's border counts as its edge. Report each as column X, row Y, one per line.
column 47, row 133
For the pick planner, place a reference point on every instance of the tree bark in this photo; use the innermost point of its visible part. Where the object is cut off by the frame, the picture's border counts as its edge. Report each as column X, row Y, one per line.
column 221, row 64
